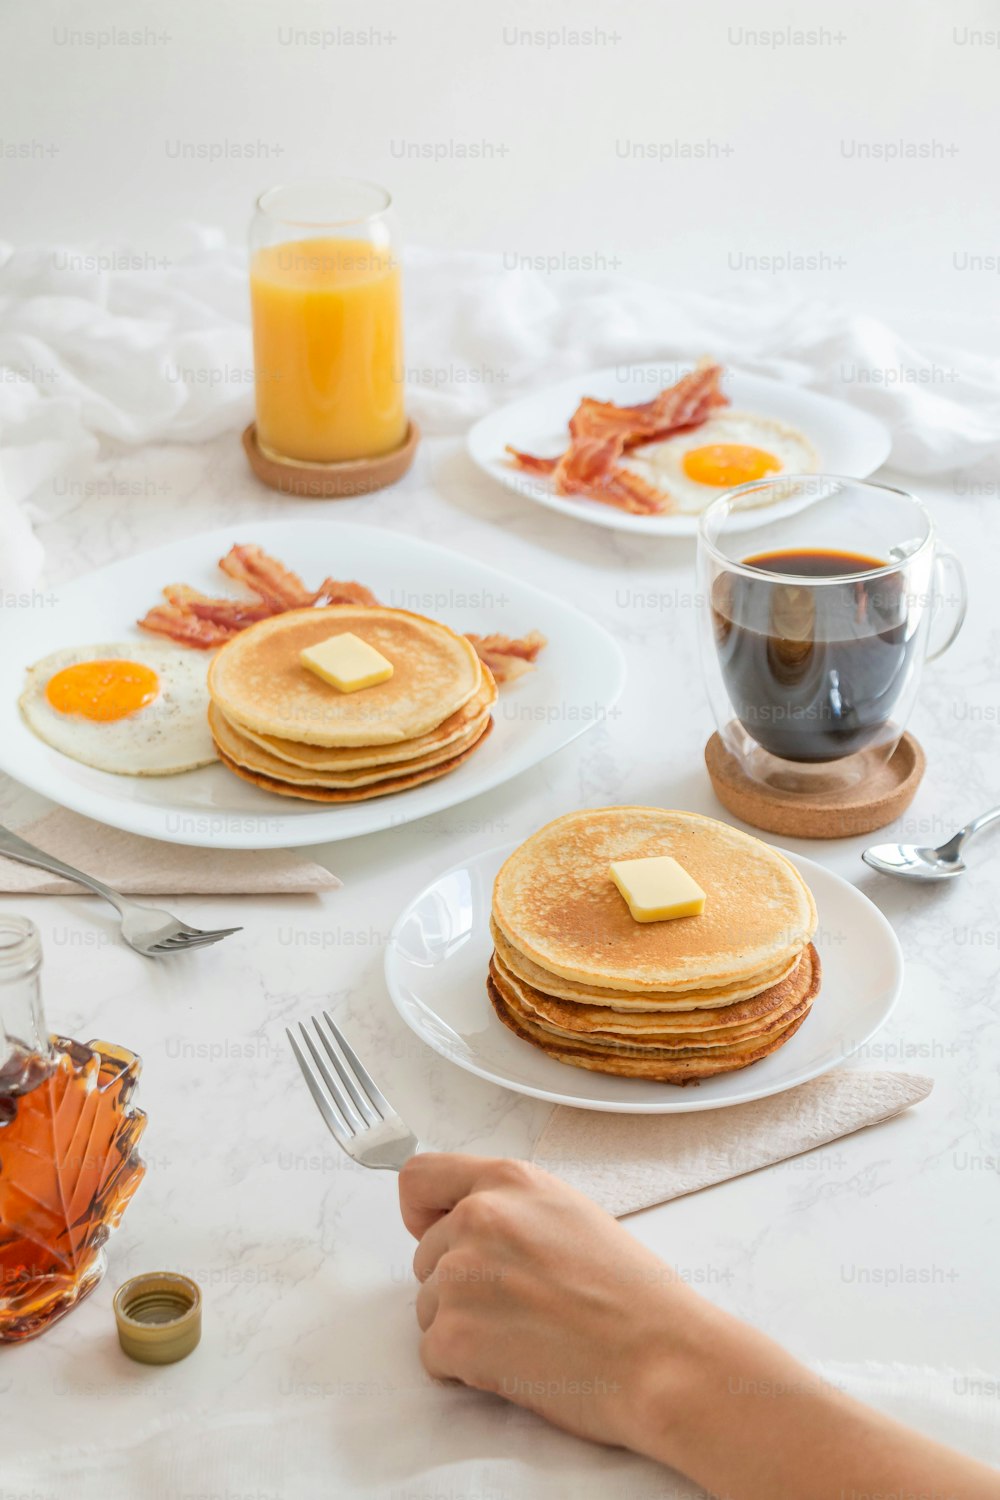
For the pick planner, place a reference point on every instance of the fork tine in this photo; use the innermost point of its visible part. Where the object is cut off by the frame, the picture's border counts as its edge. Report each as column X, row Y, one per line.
column 361, row 1073
column 185, row 939
column 190, row 933
column 334, row 1124
column 168, row 945
column 363, row 1103
column 354, row 1121
column 175, row 941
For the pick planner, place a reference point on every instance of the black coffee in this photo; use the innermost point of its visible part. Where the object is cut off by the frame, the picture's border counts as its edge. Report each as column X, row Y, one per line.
column 813, row 672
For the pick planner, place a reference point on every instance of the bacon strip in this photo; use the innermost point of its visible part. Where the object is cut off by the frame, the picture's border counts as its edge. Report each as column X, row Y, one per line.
column 170, row 620
column 269, row 579
column 508, row 657
column 601, row 433
column 235, row 612
column 590, row 467
column 686, row 404
column 531, row 462
column 332, row 592
column 195, row 619
column 628, row 491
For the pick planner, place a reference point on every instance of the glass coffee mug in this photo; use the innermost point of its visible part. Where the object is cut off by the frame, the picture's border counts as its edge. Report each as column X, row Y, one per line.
column 816, row 623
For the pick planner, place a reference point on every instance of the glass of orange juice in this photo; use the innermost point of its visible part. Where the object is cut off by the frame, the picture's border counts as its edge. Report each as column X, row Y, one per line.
column 327, row 323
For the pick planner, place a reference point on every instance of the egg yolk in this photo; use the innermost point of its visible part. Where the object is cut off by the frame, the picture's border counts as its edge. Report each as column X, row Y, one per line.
column 102, row 690
column 728, row 464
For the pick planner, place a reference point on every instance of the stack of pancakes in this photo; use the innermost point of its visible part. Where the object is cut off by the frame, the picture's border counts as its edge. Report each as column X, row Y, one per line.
column 575, row 974
column 279, row 725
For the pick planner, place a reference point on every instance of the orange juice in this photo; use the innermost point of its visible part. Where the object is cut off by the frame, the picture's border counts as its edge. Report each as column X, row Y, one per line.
column 328, row 349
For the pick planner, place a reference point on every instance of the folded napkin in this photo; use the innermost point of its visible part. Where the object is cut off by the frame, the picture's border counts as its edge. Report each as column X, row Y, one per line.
column 102, row 345
column 628, row 1162
column 147, row 867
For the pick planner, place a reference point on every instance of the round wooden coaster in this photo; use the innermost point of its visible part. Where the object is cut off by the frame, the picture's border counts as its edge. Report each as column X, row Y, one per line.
column 874, row 801
column 356, row 476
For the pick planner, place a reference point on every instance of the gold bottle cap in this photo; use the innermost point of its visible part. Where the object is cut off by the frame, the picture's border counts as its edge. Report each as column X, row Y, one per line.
column 159, row 1317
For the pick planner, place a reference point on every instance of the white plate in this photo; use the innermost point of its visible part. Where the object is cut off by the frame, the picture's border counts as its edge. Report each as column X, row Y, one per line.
column 580, row 675
column 440, row 948
column 848, row 441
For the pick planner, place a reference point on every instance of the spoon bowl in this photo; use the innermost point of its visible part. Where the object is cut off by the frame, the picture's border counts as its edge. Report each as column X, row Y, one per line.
column 912, row 862
column 915, row 862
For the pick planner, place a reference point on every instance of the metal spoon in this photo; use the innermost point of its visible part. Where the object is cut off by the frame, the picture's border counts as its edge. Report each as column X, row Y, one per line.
column 915, row 863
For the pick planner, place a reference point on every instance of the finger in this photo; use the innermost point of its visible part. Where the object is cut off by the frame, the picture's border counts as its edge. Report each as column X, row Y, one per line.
column 431, row 1248
column 433, row 1355
column 432, row 1183
column 428, row 1301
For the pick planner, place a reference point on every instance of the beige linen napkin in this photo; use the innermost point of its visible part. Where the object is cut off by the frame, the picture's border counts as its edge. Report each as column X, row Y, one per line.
column 148, row 867
column 628, row 1162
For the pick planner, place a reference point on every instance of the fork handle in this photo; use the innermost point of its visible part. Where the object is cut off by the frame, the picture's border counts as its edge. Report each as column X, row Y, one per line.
column 27, row 854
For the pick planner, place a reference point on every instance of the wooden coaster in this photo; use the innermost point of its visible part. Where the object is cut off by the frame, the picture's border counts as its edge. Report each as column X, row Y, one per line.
column 874, row 801
column 356, row 476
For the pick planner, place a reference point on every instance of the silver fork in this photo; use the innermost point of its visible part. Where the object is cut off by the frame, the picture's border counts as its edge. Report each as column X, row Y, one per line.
column 147, row 929
column 358, row 1115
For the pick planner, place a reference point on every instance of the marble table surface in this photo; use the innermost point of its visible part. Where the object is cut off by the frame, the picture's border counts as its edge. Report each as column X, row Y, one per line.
column 872, row 1249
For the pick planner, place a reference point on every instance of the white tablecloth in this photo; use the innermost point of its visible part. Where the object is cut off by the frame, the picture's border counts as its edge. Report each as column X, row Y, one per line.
column 874, row 1250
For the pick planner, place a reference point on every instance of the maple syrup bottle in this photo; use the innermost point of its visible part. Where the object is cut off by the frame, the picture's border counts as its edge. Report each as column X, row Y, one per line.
column 68, row 1148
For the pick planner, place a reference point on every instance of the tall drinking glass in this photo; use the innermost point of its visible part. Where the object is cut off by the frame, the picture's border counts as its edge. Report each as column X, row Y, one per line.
column 327, row 323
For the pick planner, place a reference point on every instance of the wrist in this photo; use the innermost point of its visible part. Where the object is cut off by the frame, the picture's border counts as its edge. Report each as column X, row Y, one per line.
column 718, row 1400
column 679, row 1367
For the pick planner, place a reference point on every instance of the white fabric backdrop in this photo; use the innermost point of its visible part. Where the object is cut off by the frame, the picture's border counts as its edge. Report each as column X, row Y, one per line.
column 98, row 343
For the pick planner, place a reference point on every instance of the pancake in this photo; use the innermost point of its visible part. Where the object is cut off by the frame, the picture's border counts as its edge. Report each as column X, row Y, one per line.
column 251, row 757
column 680, row 1045
column 328, row 759
column 399, row 783
column 554, row 986
column 655, row 1065
column 257, row 679
column 554, row 901
column 703, row 1027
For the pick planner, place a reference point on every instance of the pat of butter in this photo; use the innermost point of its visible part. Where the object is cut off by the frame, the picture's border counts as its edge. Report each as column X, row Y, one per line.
column 657, row 889
column 347, row 662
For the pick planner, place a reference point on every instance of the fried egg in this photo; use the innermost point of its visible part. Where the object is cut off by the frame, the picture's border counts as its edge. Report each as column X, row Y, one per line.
column 133, row 709
column 734, row 447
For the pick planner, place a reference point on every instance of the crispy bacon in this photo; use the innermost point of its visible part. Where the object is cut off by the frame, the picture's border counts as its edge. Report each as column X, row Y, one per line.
column 186, row 629
column 526, row 647
column 590, row 467
column 269, row 579
column 587, row 463
column 531, row 462
column 508, row 657
column 686, row 404
column 633, row 493
column 237, row 613
column 195, row 619
column 332, row 592
column 601, row 433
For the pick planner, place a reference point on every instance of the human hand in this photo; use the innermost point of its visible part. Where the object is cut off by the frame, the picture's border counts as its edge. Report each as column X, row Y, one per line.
column 531, row 1291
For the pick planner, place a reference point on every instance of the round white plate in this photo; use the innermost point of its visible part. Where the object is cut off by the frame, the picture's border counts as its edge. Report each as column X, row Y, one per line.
column 579, row 676
column 439, row 952
column 847, row 440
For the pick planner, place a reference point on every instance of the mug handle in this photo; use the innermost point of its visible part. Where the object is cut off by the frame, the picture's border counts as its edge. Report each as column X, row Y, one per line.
column 946, row 562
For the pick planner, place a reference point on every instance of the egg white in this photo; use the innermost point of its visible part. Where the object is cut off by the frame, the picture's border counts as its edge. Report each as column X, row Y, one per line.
column 660, row 463
column 167, row 736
